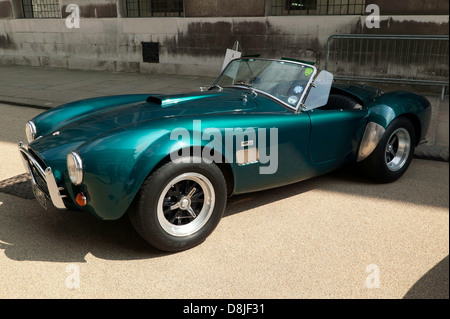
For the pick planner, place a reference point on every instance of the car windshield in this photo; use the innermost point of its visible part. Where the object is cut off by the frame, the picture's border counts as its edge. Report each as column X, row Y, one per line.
column 282, row 79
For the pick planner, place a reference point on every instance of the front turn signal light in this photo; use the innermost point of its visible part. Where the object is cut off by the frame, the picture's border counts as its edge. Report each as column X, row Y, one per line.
column 81, row 199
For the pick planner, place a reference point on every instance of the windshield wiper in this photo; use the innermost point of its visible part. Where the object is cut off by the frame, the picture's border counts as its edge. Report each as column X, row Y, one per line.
column 216, row 86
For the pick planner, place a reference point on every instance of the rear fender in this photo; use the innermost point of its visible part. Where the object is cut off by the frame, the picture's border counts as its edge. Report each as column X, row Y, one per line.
column 385, row 109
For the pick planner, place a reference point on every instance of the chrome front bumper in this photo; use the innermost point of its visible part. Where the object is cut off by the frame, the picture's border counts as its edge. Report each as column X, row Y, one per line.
column 37, row 172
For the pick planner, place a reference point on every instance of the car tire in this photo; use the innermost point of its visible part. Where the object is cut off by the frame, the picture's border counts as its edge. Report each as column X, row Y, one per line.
column 393, row 154
column 180, row 204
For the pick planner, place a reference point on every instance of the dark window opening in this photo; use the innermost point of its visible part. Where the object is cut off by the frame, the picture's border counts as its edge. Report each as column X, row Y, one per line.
column 41, row 9
column 318, row 7
column 301, row 5
column 155, row 8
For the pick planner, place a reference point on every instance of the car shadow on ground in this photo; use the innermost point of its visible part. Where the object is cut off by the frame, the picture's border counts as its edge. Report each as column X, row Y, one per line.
column 31, row 233
column 349, row 180
column 28, row 232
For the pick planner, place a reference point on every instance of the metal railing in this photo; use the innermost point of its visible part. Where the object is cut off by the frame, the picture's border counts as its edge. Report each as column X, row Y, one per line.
column 403, row 59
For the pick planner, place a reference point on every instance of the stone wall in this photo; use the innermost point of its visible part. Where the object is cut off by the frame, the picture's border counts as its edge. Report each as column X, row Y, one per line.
column 187, row 45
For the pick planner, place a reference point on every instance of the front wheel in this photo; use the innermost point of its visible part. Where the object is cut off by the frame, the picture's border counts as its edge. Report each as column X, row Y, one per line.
column 391, row 158
column 179, row 205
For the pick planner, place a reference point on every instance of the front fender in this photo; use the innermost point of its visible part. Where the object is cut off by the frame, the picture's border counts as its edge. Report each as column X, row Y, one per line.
column 116, row 165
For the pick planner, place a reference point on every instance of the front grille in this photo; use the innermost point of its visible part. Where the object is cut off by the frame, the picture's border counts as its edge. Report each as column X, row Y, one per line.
column 43, row 178
column 37, row 158
column 39, row 179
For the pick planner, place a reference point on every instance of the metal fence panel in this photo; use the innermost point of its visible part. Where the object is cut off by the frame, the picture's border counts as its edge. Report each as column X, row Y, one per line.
column 407, row 59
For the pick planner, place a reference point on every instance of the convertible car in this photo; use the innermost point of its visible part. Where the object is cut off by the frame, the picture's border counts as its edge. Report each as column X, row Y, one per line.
column 171, row 161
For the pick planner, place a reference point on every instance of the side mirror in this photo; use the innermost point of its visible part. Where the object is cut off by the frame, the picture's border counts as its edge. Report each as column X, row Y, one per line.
column 319, row 91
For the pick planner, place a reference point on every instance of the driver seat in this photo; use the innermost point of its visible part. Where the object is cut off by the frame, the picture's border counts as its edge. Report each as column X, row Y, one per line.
column 341, row 102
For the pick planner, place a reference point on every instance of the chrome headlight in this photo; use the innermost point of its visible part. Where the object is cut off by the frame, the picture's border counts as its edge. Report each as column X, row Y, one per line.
column 30, row 131
column 75, row 168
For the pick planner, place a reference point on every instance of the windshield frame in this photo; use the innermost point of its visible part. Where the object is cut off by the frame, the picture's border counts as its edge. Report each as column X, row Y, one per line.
column 284, row 104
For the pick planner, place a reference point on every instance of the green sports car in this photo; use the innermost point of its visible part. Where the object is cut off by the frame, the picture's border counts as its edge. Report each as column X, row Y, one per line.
column 171, row 161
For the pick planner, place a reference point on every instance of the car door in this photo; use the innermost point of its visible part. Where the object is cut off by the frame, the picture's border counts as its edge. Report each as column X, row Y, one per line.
column 334, row 133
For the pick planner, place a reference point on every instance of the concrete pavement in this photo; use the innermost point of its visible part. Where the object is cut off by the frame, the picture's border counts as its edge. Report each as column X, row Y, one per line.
column 47, row 87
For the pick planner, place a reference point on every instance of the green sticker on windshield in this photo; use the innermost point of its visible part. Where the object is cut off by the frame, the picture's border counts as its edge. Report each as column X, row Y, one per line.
column 308, row 71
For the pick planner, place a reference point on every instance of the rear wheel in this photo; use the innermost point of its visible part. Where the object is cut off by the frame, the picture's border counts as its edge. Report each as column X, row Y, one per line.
column 391, row 158
column 179, row 205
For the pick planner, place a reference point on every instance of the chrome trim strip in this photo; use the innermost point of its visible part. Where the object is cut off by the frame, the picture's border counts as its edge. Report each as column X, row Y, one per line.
column 47, row 174
column 423, row 141
column 372, row 136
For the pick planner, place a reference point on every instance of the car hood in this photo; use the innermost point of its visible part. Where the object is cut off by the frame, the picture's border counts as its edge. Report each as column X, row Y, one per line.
column 71, row 133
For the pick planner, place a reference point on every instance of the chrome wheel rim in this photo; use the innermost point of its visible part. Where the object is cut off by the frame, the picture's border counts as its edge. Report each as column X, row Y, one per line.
column 397, row 149
column 186, row 204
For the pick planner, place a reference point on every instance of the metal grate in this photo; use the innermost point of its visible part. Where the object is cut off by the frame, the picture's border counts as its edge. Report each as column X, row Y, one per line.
column 150, row 52
column 318, row 7
column 155, row 8
column 41, row 9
